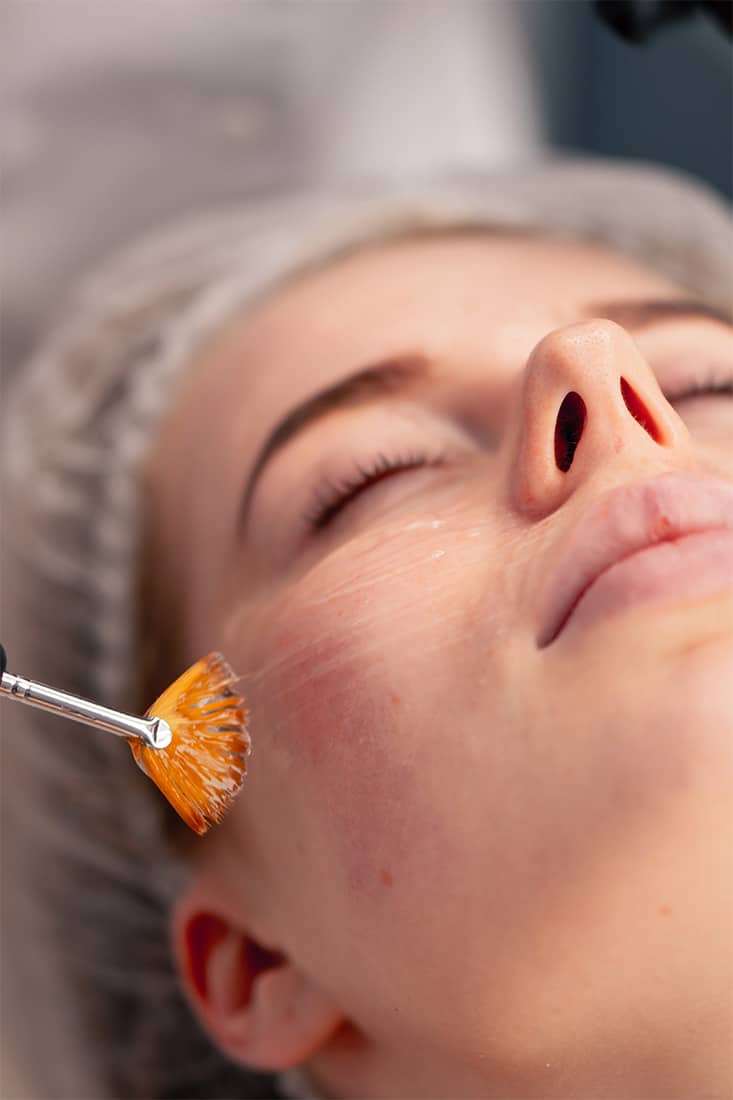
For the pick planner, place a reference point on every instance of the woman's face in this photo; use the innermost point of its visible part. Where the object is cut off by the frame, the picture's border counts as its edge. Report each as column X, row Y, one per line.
column 489, row 829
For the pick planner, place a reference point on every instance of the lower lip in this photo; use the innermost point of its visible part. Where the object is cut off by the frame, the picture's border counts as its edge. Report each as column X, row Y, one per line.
column 694, row 565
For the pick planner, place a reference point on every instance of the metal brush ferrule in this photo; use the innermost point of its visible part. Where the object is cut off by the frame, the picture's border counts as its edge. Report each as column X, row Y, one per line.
column 153, row 731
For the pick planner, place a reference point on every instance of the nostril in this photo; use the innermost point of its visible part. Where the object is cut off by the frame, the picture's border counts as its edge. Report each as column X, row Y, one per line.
column 639, row 411
column 568, row 429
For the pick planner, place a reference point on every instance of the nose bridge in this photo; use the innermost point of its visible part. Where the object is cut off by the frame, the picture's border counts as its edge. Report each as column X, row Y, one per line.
column 589, row 397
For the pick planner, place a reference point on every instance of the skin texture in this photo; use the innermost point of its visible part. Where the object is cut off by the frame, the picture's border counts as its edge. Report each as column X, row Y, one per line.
column 473, row 867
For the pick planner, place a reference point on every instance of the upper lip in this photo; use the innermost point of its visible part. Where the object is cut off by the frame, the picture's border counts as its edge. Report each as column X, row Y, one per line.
column 625, row 520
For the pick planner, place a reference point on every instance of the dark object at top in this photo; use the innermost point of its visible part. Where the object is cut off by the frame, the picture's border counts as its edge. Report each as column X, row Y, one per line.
column 637, row 20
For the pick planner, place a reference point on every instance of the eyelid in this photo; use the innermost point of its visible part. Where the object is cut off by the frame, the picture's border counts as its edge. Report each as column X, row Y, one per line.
column 337, row 497
column 357, row 434
column 724, row 389
column 711, row 382
column 280, row 536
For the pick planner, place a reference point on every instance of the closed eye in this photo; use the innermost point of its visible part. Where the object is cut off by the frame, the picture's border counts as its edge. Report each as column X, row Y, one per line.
column 333, row 496
column 702, row 388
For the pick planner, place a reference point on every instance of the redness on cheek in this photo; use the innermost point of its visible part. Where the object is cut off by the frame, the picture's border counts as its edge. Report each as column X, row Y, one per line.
column 314, row 684
column 339, row 737
column 348, row 664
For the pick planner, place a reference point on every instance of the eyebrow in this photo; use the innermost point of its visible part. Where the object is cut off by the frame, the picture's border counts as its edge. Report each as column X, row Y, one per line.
column 388, row 377
column 635, row 313
column 396, row 375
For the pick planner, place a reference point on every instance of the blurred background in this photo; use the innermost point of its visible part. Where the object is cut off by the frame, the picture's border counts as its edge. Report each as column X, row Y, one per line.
column 118, row 115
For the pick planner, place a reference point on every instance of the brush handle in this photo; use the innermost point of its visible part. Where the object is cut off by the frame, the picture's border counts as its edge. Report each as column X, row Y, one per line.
column 153, row 731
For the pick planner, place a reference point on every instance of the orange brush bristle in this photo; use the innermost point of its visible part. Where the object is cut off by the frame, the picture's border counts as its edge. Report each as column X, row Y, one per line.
column 202, row 769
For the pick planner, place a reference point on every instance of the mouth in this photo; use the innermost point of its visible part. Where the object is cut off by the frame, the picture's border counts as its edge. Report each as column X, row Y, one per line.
column 669, row 537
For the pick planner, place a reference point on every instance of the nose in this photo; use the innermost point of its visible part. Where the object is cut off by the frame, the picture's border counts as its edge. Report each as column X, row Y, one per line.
column 589, row 399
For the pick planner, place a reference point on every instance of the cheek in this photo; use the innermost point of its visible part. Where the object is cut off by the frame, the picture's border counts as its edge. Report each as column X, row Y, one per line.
column 353, row 693
column 338, row 722
column 359, row 768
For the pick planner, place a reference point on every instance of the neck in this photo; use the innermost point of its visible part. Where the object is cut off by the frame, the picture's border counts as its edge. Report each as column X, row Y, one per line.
column 352, row 1067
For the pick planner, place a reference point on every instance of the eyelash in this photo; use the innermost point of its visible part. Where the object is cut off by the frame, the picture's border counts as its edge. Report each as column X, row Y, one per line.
column 333, row 496
column 704, row 387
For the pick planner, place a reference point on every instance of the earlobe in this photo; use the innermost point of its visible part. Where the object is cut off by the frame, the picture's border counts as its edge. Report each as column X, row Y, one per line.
column 257, row 1006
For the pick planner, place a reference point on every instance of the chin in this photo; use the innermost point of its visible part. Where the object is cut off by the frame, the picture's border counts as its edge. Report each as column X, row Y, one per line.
column 661, row 676
column 697, row 638
column 695, row 699
column 671, row 629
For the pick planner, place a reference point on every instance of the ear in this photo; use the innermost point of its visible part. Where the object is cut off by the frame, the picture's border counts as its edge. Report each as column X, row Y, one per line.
column 256, row 1004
